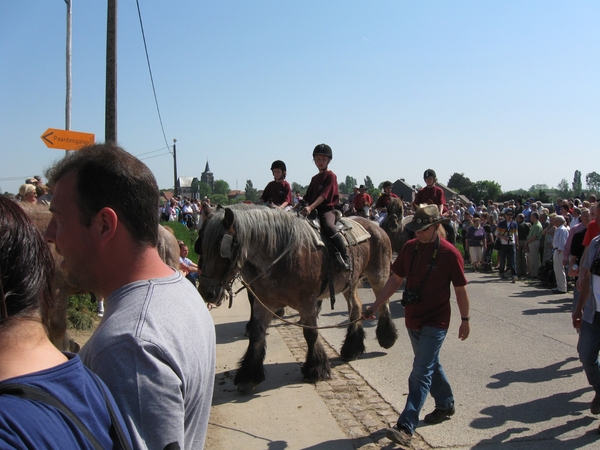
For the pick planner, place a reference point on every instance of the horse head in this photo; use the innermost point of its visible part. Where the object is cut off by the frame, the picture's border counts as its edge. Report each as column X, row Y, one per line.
column 395, row 214
column 217, row 252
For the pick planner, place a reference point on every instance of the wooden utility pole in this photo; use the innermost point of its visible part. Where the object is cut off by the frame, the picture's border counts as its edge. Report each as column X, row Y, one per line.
column 110, row 124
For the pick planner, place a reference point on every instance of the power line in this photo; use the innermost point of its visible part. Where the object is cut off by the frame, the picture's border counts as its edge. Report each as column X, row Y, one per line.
column 150, row 71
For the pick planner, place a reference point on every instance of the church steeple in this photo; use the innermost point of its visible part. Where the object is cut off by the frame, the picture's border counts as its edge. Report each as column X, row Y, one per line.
column 207, row 176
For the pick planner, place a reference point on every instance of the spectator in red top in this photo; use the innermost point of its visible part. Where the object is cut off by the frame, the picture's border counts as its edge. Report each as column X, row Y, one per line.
column 430, row 193
column 322, row 196
column 278, row 192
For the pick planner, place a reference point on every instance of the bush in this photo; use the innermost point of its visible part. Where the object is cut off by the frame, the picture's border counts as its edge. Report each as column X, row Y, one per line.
column 81, row 312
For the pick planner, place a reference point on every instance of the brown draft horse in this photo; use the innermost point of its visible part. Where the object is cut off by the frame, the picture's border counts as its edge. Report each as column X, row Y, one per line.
column 276, row 254
column 55, row 317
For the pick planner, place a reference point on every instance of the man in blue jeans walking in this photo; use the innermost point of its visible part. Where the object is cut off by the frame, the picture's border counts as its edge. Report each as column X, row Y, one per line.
column 506, row 231
column 429, row 264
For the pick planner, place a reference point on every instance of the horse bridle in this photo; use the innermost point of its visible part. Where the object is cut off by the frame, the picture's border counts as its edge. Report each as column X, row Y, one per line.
column 229, row 249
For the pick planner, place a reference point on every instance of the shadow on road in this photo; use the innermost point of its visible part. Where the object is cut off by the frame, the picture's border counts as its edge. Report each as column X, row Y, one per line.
column 535, row 375
column 535, row 411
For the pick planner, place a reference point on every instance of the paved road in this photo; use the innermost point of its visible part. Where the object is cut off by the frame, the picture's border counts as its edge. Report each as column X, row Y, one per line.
column 516, row 380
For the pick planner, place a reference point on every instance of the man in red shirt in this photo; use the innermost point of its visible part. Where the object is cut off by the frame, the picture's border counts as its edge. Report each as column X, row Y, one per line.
column 430, row 265
column 362, row 201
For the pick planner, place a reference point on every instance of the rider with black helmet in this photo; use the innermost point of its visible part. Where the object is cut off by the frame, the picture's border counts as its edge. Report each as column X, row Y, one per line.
column 322, row 196
column 430, row 193
column 383, row 200
column 278, row 192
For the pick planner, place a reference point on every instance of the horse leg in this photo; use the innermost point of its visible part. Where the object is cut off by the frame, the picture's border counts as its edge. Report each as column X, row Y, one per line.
column 251, row 299
column 354, row 344
column 316, row 368
column 251, row 371
column 386, row 331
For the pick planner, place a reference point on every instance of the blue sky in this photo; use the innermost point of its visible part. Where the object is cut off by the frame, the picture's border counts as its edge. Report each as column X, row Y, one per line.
column 507, row 91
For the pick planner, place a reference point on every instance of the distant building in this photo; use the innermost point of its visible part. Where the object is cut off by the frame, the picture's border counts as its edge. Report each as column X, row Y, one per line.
column 184, row 186
column 404, row 190
column 452, row 194
column 208, row 177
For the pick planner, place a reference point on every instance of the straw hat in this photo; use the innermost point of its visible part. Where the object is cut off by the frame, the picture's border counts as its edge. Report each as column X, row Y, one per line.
column 425, row 217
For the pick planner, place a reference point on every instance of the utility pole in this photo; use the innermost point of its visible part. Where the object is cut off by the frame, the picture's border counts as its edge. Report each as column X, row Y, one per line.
column 110, row 115
column 69, row 46
column 174, row 166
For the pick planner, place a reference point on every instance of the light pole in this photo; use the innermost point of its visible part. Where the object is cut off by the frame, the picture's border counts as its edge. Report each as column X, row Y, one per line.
column 175, row 166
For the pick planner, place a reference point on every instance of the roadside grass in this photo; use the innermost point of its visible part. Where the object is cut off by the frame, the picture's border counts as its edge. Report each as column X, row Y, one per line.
column 184, row 234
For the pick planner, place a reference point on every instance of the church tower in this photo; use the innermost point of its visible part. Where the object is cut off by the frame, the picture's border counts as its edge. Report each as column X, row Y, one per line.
column 208, row 177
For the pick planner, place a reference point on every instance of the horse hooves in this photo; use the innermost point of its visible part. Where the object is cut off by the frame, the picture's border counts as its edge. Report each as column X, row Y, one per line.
column 350, row 356
column 246, row 388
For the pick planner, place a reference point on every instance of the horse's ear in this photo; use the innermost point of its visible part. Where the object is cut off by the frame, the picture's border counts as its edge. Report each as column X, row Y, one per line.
column 229, row 219
column 219, row 206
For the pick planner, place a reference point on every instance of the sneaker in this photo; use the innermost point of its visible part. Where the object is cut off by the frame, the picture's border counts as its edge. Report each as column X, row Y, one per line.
column 100, row 314
column 595, row 408
column 439, row 415
column 399, row 434
column 514, row 279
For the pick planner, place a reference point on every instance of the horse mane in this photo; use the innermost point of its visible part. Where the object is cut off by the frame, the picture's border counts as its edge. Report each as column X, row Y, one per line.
column 271, row 230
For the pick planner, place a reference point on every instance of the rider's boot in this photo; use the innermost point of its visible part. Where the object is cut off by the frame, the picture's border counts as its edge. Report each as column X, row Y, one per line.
column 342, row 251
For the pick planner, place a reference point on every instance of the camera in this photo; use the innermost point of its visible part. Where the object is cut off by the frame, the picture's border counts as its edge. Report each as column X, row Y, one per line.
column 595, row 269
column 410, row 296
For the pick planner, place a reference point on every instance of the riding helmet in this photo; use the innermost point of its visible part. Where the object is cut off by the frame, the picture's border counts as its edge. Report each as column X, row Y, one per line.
column 323, row 149
column 278, row 164
column 429, row 173
column 387, row 184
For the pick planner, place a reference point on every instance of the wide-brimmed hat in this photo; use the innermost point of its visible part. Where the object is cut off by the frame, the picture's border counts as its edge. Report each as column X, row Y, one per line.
column 425, row 217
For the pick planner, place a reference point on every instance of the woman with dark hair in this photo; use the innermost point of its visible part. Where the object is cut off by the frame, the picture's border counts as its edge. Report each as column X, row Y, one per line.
column 48, row 399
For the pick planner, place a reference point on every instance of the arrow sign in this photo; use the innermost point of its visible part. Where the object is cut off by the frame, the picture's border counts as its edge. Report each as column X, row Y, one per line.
column 67, row 139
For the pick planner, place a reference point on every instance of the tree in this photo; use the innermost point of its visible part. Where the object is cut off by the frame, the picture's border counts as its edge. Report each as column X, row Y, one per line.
column 460, row 183
column 221, row 187
column 348, row 185
column 201, row 189
column 563, row 188
column 251, row 191
column 592, row 180
column 485, row 190
column 577, row 183
column 296, row 187
column 219, row 199
column 369, row 183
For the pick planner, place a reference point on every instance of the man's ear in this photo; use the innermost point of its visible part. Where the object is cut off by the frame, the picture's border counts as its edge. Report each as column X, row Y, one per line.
column 105, row 224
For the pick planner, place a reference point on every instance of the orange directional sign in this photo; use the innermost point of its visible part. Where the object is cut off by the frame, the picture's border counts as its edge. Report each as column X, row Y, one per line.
column 67, row 139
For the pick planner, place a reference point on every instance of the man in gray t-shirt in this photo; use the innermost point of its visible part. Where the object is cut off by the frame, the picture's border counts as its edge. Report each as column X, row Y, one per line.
column 155, row 346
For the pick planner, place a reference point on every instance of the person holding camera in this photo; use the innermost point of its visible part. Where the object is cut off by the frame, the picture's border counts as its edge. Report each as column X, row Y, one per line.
column 429, row 264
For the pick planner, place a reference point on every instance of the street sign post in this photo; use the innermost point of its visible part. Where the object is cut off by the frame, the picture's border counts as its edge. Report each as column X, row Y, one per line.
column 67, row 139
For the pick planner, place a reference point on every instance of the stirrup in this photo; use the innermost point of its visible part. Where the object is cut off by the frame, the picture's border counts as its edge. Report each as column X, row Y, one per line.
column 344, row 262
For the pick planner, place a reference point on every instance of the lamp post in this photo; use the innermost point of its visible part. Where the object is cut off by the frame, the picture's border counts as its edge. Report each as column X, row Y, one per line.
column 175, row 166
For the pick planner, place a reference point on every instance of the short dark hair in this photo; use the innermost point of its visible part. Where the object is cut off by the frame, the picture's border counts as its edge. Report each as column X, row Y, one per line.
column 26, row 265
column 108, row 176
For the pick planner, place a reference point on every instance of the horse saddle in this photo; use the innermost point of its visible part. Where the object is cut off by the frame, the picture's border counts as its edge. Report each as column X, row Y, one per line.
column 352, row 230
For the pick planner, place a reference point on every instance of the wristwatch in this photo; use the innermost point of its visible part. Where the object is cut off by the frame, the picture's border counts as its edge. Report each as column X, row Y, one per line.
column 574, row 267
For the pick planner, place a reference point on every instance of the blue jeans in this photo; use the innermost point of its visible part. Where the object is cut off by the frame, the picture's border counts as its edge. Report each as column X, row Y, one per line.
column 588, row 348
column 427, row 376
column 507, row 252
